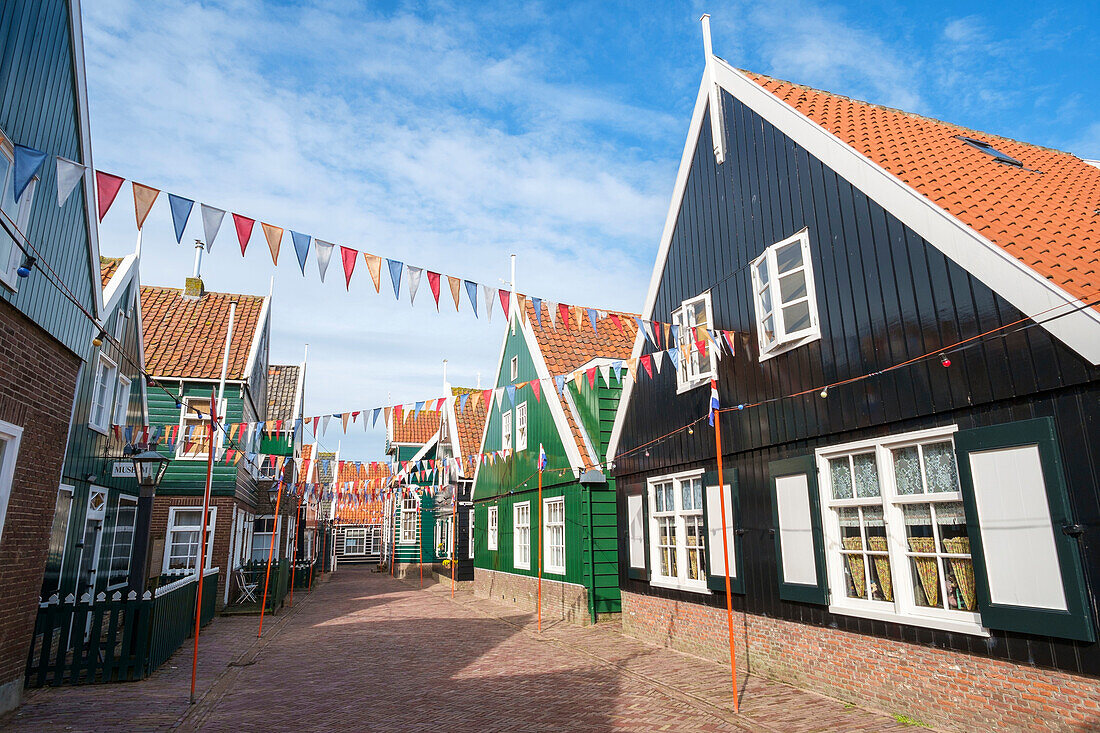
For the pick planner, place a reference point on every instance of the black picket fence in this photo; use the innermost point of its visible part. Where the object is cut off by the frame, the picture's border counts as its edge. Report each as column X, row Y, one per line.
column 302, row 575
column 278, row 583
column 117, row 638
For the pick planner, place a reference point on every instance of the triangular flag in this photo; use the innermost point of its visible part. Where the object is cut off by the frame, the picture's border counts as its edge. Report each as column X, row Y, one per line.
column 107, row 187
column 374, row 417
column 68, row 174
column 578, row 379
column 324, row 254
column 605, row 372
column 490, row 295
column 414, row 281
column 499, row 394
column 563, row 311
column 181, row 212
column 578, row 313
column 274, row 236
column 658, row 357
column 647, row 362
column 591, row 372
column 211, row 223
column 536, row 387
column 552, row 309
column 301, row 248
column 592, row 320
column 455, row 284
column 27, row 163
column 511, row 388
column 244, row 230
column 729, row 340
column 618, row 324
column 471, row 293
column 324, row 423
column 433, row 283
column 374, row 267
column 674, row 357
column 144, row 196
column 395, row 276
column 521, row 307
column 536, row 303
column 504, row 298
column 632, row 368
column 344, row 419
column 349, row 256
column 487, row 397
column 559, row 380
column 462, row 402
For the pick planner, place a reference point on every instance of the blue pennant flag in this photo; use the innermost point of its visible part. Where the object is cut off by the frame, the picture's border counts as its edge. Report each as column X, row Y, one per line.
column 674, row 333
column 27, row 163
column 511, row 388
column 462, row 402
column 537, row 304
column 181, row 211
column 416, row 410
column 674, row 354
column 301, row 248
column 471, row 293
column 374, row 419
column 592, row 320
column 395, row 275
column 618, row 367
column 559, row 380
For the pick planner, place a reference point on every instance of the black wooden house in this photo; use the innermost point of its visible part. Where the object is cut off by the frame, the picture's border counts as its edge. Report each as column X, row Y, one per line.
column 923, row 538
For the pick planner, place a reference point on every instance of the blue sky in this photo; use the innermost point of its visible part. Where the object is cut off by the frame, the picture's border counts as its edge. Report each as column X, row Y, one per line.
column 450, row 135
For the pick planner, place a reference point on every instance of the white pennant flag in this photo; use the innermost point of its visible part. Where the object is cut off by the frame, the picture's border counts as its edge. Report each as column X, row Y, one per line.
column 324, row 254
column 553, row 308
column 414, row 280
column 490, row 296
column 605, row 372
column 499, row 394
column 211, row 223
column 658, row 358
column 68, row 174
column 324, row 423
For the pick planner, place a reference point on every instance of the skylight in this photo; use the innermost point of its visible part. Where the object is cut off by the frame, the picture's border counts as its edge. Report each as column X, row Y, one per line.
column 990, row 150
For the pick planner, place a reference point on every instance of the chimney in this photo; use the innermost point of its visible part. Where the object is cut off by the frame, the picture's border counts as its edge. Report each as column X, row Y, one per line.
column 193, row 288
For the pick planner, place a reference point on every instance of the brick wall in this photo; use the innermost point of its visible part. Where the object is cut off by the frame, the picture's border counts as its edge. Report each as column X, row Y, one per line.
column 934, row 686
column 560, row 601
column 37, row 383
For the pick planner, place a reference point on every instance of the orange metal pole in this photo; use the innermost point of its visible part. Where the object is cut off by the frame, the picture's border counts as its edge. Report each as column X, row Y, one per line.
column 202, row 539
column 270, row 555
column 726, row 556
column 420, row 540
column 540, row 543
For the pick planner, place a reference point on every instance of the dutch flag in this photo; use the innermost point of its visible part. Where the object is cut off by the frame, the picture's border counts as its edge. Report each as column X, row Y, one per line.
column 713, row 400
column 542, row 457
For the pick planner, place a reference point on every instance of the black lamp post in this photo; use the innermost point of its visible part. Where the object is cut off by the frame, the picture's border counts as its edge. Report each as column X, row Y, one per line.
column 149, row 468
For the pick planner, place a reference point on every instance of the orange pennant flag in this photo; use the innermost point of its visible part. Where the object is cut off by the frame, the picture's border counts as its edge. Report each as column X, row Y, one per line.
column 144, row 196
column 274, row 236
column 374, row 265
column 454, row 283
column 521, row 303
column 579, row 313
column 344, row 419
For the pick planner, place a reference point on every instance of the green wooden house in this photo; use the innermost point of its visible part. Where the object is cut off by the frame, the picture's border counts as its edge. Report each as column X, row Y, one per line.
column 578, row 516
column 410, row 539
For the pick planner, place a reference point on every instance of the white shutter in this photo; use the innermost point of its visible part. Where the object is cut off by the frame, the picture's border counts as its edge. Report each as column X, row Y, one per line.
column 796, row 535
column 714, row 532
column 636, row 530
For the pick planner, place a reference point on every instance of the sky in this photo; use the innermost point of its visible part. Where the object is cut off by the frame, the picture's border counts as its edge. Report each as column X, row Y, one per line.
column 451, row 135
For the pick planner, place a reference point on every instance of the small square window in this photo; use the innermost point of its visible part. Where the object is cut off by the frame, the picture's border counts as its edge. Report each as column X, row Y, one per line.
column 506, row 431
column 784, row 297
column 521, row 426
column 515, row 368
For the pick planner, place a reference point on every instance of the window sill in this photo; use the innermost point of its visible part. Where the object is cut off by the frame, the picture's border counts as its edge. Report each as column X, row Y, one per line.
column 695, row 384
column 97, row 428
column 553, row 571
column 522, row 567
column 789, row 346
column 942, row 624
column 673, row 585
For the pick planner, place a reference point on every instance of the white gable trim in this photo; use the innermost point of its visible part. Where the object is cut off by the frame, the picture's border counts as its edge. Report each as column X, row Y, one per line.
column 554, row 402
column 257, row 337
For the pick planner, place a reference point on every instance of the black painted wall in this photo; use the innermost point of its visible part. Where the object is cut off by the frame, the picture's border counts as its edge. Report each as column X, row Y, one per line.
column 884, row 296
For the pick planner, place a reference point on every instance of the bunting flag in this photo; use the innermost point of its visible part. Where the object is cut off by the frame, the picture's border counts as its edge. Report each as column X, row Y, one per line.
column 591, row 372
column 107, row 187
column 211, row 223
column 536, row 303
column 658, row 357
column 244, row 230
column 559, row 381
column 563, row 311
column 144, row 196
column 471, row 293
column 414, row 281
column 490, row 295
column 68, row 174
column 274, row 237
column 181, row 212
column 592, row 320
column 511, row 389
column 395, row 276
column 455, row 284
column 324, row 254
column 374, row 418
column 487, row 397
column 349, row 256
column 344, row 420
column 674, row 357
column 462, row 402
column 536, row 387
column 521, row 307
column 728, row 336
column 605, row 372
column 504, row 300
column 552, row 309
column 374, row 267
column 433, row 283
column 301, row 248
column 714, row 406
column 27, row 161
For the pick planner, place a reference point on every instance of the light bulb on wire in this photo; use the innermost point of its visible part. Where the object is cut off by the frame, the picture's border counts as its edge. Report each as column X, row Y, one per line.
column 825, row 392
column 944, row 360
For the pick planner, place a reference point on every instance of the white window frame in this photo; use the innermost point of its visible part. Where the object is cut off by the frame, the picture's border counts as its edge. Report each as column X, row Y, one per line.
column 109, row 385
column 114, row 543
column 491, row 531
column 410, row 507
column 122, row 400
column 360, row 534
column 506, row 430
column 470, row 531
column 903, row 609
column 513, row 370
column 22, row 217
column 549, row 565
column 784, row 341
column 120, row 322
column 521, row 550
column 521, row 426
column 10, row 437
column 695, row 369
column 272, row 536
column 186, row 414
column 210, row 526
column 680, row 581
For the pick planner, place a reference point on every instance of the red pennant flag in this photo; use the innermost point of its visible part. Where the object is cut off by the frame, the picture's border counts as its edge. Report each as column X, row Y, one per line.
column 433, row 283
column 397, row 410
column 591, row 377
column 487, row 395
column 107, row 187
column 618, row 324
column 536, row 387
column 504, row 298
column 729, row 341
column 647, row 362
column 563, row 311
column 244, row 230
column 348, row 255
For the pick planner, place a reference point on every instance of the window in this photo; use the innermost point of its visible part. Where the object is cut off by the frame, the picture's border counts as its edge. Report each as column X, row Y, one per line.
column 470, row 534
column 409, row 513
column 521, row 535
column 122, row 400
column 492, row 530
column 698, row 362
column 521, row 426
column 122, row 542
column 196, row 446
column 896, row 541
column 784, row 296
column 182, row 544
column 17, row 214
column 514, row 368
column 355, row 541
column 103, row 392
column 120, row 325
column 10, row 435
column 443, row 537
column 676, row 532
column 554, row 541
column 506, row 430
column 263, row 528
column 990, row 150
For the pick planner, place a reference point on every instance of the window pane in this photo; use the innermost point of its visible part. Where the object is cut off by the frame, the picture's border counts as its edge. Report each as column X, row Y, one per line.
column 925, row 570
column 762, row 271
column 881, row 587
column 700, row 312
column 769, row 329
column 788, row 257
column 766, row 300
column 907, row 471
column 939, row 467
column 951, row 523
column 698, row 493
column 841, row 475
column 792, row 286
column 659, row 498
column 866, row 475
column 797, row 317
column 694, row 542
column 189, row 518
column 958, row 571
column 850, row 534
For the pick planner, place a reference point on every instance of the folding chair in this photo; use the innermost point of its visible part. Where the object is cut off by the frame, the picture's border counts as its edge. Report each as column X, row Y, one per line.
column 248, row 589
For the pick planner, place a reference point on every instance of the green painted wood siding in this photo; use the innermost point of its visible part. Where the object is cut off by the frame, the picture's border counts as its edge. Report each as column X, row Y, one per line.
column 597, row 409
column 38, row 108
column 408, row 552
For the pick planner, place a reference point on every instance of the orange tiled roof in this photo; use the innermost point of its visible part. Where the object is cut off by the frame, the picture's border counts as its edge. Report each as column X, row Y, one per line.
column 353, row 513
column 307, row 455
column 108, row 266
column 416, row 430
column 471, row 421
column 1043, row 214
column 186, row 338
column 363, row 472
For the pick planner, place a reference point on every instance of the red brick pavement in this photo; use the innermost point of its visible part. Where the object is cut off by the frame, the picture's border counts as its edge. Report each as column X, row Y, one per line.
column 366, row 652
